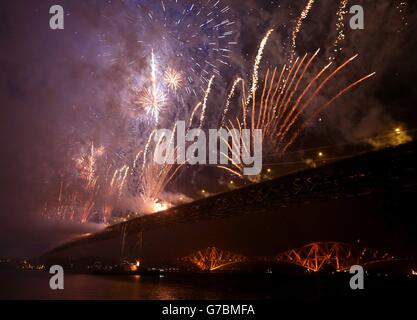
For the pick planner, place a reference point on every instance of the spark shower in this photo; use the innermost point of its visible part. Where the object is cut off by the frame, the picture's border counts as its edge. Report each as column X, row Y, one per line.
column 185, row 49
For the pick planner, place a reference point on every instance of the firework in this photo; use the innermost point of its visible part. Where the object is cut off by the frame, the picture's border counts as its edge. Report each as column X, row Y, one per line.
column 87, row 165
column 135, row 162
column 87, row 209
column 194, row 36
column 60, row 197
column 118, row 181
column 340, row 28
column 146, row 150
column 297, row 28
column 153, row 99
column 156, row 177
column 229, row 98
column 107, row 213
column 402, row 9
column 192, row 41
column 91, row 168
column 198, row 106
column 204, row 103
column 96, row 191
column 173, row 79
column 285, row 115
column 258, row 59
column 153, row 103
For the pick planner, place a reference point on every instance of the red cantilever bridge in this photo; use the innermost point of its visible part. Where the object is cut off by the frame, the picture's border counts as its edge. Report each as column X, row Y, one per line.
column 313, row 257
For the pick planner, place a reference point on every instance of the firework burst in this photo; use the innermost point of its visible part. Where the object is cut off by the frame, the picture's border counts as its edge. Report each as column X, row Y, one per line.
column 153, row 101
column 186, row 44
column 173, row 79
column 193, row 36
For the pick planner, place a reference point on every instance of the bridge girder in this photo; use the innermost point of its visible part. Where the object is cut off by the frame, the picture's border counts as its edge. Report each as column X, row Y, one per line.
column 315, row 257
column 213, row 258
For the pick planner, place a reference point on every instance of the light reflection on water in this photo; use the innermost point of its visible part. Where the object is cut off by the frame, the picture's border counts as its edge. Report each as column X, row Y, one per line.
column 35, row 285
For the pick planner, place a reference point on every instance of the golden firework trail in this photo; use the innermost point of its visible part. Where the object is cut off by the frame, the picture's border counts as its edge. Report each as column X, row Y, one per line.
column 297, row 28
column 155, row 177
column 68, row 204
column 340, row 28
column 146, row 150
column 60, row 197
column 324, row 107
column 153, row 99
column 123, row 181
column 91, row 168
column 237, row 165
column 87, row 208
column 135, row 162
column 287, row 123
column 86, row 165
column 229, row 98
column 204, row 104
column 285, row 115
column 258, row 59
column 198, row 106
column 115, row 174
column 118, row 181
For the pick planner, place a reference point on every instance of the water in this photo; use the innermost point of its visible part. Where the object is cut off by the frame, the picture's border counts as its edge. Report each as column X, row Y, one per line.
column 35, row 285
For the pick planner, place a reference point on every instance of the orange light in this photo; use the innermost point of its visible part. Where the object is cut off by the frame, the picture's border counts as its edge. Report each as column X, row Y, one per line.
column 158, row 206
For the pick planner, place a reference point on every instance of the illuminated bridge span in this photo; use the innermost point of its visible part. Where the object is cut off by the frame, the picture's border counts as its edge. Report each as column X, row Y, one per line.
column 212, row 259
column 331, row 255
column 315, row 257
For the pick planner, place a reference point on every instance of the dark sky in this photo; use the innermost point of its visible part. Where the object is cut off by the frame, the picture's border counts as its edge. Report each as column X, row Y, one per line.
column 59, row 92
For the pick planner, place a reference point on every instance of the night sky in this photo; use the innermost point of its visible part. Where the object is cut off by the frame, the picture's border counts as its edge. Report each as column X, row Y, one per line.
column 63, row 89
